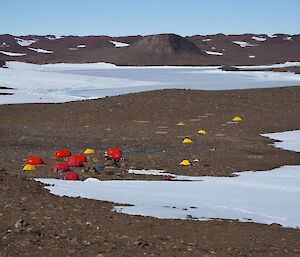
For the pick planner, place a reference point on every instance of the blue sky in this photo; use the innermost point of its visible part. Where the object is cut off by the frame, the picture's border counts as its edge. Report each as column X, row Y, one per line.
column 132, row 17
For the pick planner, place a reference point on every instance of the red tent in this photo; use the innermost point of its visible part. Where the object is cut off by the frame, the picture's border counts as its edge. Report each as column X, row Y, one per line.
column 72, row 176
column 114, row 153
column 62, row 153
column 60, row 166
column 80, row 157
column 35, row 160
column 74, row 162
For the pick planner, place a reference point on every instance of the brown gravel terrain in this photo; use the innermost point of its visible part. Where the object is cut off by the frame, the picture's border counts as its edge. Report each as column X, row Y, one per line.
column 144, row 125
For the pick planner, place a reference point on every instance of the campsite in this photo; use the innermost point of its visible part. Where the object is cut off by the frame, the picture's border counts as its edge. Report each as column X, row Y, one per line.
column 125, row 134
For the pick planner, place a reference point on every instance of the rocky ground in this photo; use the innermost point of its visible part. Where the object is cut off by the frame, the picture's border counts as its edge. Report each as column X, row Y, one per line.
column 144, row 125
column 160, row 49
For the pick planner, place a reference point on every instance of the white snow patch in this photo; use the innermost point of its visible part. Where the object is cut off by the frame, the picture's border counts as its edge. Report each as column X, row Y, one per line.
column 251, row 56
column 279, row 65
column 54, row 37
column 290, row 140
column 214, row 53
column 207, row 40
column 288, row 38
column 24, row 42
column 73, row 48
column 67, row 82
column 4, row 45
column 243, row 44
column 40, row 50
column 119, row 44
column 260, row 39
column 263, row 197
column 81, row 46
column 272, row 36
column 163, row 173
column 12, row 54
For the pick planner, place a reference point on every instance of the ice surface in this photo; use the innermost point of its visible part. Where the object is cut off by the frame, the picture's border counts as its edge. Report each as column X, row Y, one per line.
column 163, row 173
column 213, row 53
column 290, row 140
column 263, row 197
column 23, row 42
column 40, row 50
column 12, row 54
column 68, row 82
column 261, row 39
column 279, row 65
column 54, row 37
column 243, row 44
column 119, row 44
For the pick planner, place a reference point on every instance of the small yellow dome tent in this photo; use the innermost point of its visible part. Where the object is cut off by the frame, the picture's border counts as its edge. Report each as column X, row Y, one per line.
column 28, row 167
column 187, row 141
column 89, row 151
column 237, row 119
column 185, row 163
column 202, row 132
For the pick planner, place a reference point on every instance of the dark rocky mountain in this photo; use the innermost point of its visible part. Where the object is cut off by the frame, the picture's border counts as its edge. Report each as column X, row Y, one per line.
column 161, row 49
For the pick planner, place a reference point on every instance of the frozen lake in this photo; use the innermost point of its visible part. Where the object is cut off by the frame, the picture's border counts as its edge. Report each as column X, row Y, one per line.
column 68, row 82
column 264, row 197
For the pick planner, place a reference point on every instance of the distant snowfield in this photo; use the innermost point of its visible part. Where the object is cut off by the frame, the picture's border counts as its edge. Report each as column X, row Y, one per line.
column 214, row 53
column 55, row 83
column 23, row 42
column 263, row 197
column 260, row 39
column 279, row 65
column 40, row 50
column 12, row 54
column 119, row 44
column 243, row 44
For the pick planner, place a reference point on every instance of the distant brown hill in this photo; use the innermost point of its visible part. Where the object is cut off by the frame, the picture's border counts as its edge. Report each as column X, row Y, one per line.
column 161, row 49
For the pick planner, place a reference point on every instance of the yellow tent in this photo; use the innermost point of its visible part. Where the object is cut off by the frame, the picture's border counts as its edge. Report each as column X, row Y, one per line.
column 187, row 141
column 237, row 118
column 202, row 132
column 29, row 167
column 89, row 151
column 185, row 163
